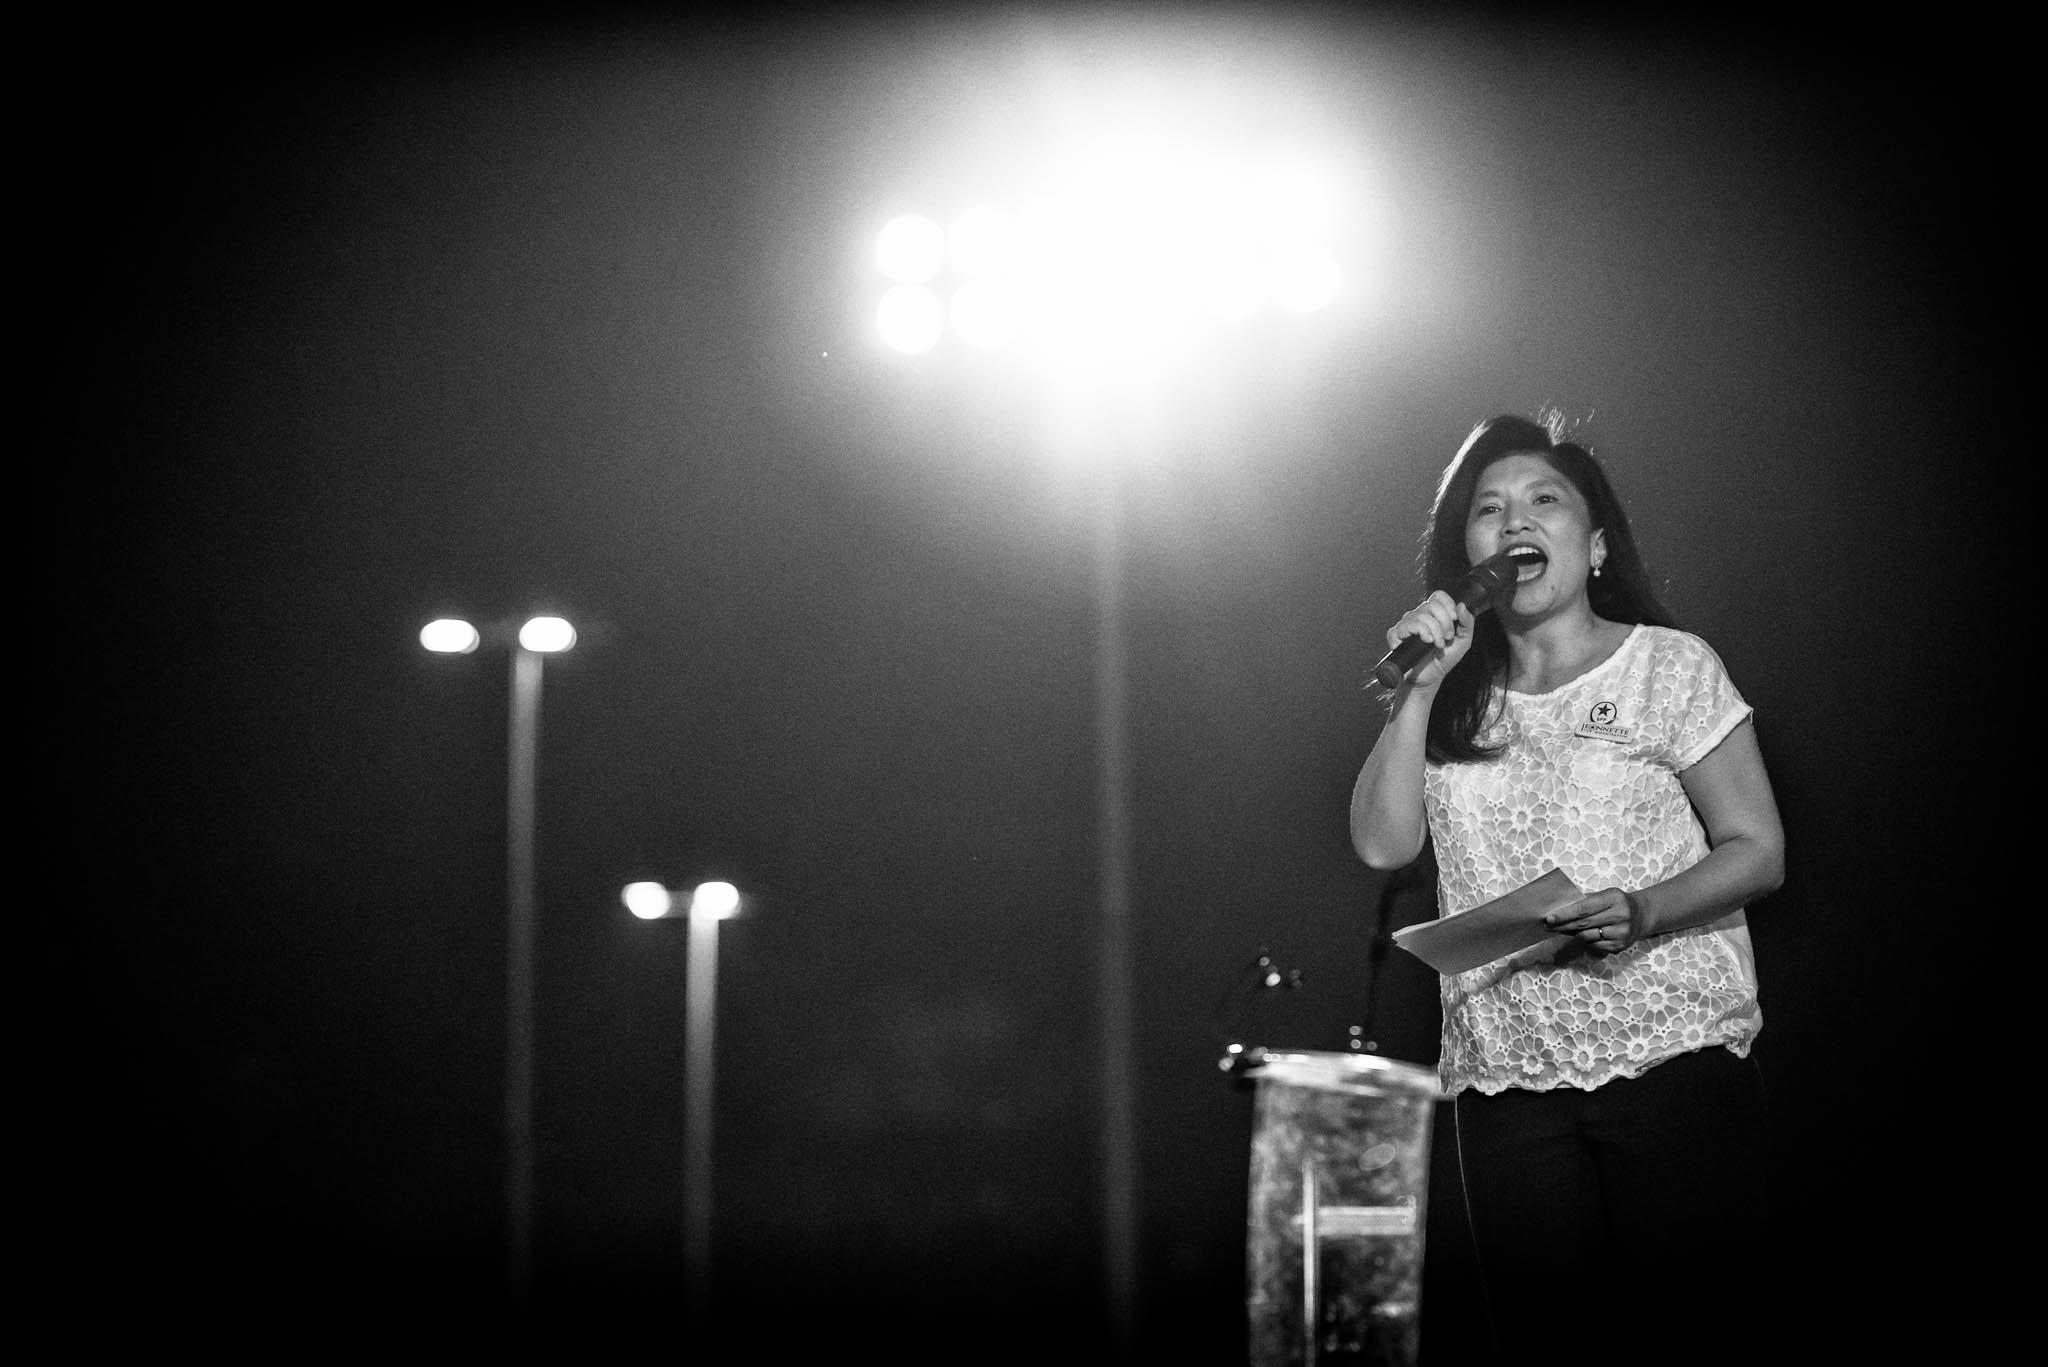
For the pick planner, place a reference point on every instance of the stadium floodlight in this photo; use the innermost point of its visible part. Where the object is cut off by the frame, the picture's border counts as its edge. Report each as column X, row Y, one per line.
column 450, row 636
column 547, row 635
column 702, row 909
column 648, row 901
column 912, row 249
column 1140, row 250
column 912, row 319
column 539, row 637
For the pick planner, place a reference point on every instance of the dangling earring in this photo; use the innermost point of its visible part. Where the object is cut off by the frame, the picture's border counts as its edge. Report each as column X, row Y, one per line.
column 1596, row 571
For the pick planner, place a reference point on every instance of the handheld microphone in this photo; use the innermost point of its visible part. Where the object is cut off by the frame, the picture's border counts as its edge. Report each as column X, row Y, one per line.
column 1474, row 592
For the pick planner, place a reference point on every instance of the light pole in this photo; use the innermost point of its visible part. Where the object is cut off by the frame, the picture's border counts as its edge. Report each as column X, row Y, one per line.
column 539, row 637
column 1129, row 262
column 1113, row 987
column 705, row 907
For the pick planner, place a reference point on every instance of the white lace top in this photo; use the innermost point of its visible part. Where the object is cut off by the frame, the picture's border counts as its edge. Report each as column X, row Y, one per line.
column 1589, row 784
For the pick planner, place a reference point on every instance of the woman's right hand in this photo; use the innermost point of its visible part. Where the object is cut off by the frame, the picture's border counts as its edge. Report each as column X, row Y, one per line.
column 1446, row 625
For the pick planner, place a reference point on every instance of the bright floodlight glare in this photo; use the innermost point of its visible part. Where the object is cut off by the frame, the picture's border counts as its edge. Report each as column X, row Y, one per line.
column 648, row 901
column 1307, row 281
column 911, row 318
column 1233, row 289
column 1138, row 248
column 984, row 313
column 911, row 249
column 449, row 636
column 1083, row 285
column 547, row 635
column 982, row 242
column 1226, row 252
column 716, row 899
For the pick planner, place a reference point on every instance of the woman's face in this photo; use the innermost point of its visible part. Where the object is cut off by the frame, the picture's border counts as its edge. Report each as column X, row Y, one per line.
column 1522, row 502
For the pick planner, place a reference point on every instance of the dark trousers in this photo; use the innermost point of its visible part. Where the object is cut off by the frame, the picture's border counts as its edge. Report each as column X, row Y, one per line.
column 1622, row 1224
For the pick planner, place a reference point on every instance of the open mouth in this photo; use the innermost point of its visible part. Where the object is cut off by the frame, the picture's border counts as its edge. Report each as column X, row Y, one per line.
column 1529, row 562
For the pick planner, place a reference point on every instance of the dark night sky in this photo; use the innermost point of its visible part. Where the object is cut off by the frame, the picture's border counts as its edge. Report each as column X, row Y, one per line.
column 364, row 325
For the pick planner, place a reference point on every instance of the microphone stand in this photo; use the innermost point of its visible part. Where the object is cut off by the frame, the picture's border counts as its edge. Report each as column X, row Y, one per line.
column 1260, row 975
column 1416, row 873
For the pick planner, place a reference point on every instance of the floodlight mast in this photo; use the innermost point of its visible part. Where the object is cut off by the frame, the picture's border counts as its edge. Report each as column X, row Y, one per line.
column 702, row 909
column 1109, row 293
column 538, row 637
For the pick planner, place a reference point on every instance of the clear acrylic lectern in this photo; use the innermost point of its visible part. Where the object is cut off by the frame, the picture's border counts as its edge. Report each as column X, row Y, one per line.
column 1339, row 1194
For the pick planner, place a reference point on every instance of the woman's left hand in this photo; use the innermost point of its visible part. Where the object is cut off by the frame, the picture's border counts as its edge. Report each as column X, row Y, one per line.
column 1603, row 922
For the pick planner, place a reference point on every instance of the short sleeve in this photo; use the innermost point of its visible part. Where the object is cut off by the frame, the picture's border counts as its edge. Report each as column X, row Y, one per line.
column 1704, row 704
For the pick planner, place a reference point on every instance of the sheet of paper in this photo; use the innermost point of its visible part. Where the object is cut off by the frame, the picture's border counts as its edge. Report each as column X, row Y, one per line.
column 1492, row 930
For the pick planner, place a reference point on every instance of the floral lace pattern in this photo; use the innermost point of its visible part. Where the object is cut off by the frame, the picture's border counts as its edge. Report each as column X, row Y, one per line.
column 1589, row 783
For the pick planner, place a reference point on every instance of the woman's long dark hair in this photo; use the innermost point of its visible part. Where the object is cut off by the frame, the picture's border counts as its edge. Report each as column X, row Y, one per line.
column 1622, row 592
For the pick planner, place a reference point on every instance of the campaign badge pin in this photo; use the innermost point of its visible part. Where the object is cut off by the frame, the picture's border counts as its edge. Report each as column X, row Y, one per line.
column 1603, row 723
